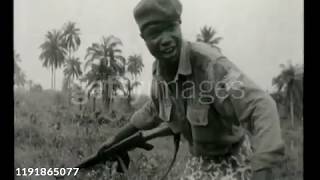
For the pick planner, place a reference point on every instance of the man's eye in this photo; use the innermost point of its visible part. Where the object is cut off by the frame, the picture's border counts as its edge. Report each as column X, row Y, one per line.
column 152, row 33
column 170, row 27
column 155, row 31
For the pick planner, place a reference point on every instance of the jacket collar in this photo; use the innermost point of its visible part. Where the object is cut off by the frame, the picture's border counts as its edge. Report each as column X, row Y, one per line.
column 184, row 67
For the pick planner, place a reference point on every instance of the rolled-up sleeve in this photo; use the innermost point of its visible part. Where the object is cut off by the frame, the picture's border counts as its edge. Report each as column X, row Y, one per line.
column 258, row 109
column 146, row 118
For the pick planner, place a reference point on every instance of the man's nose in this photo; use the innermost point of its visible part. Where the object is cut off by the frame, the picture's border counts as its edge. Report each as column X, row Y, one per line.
column 166, row 42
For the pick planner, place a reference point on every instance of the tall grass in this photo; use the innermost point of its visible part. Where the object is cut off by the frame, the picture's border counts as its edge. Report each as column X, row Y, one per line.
column 48, row 134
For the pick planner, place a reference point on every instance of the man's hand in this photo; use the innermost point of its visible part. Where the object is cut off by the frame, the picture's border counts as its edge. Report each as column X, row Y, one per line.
column 123, row 133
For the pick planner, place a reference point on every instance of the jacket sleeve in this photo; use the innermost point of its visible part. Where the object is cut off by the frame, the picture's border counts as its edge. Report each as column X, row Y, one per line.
column 146, row 118
column 256, row 107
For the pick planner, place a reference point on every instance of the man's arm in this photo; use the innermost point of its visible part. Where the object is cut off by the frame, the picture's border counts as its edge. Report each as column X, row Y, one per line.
column 253, row 105
column 146, row 118
column 143, row 119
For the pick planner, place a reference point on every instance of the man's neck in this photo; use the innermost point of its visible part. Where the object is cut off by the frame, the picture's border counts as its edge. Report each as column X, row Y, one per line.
column 169, row 69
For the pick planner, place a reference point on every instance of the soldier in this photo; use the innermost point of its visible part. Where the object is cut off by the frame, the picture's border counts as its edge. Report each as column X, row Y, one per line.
column 231, row 125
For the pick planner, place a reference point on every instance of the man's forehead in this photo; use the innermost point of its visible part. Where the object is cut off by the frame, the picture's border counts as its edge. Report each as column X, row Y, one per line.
column 160, row 24
column 157, row 24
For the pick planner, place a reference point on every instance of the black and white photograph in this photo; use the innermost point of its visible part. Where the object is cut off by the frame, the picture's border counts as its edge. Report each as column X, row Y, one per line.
column 158, row 89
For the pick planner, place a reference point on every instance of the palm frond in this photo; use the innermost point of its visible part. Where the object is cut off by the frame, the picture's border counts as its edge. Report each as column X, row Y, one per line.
column 207, row 35
column 216, row 40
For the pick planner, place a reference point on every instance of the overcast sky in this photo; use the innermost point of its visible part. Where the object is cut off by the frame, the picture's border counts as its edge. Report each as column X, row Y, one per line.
column 258, row 35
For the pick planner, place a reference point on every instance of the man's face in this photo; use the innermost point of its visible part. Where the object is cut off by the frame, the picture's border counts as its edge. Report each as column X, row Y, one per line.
column 163, row 40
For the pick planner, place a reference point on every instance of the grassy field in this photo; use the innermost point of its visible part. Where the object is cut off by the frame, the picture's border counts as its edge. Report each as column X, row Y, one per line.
column 49, row 133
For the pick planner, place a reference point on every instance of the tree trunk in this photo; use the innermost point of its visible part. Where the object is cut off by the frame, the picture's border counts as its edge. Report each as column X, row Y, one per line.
column 69, row 90
column 69, row 93
column 292, row 119
column 104, row 97
column 129, row 92
column 51, row 77
column 291, row 111
column 94, row 104
column 134, row 80
column 54, row 74
column 107, row 93
column 54, row 82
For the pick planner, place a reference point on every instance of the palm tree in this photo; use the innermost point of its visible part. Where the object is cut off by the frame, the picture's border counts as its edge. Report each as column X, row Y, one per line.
column 93, row 79
column 72, row 70
column 71, row 42
column 66, row 84
column 290, row 83
column 53, row 53
column 94, row 92
column 129, row 86
column 207, row 35
column 19, row 76
column 78, row 96
column 134, row 67
column 71, row 37
column 110, row 64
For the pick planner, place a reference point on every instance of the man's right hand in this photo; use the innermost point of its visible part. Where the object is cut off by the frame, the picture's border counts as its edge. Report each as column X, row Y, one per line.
column 123, row 133
column 122, row 158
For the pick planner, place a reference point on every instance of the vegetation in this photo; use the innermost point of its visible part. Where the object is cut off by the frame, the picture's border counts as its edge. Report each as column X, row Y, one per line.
column 52, row 132
column 47, row 134
column 19, row 76
column 71, row 38
column 71, row 42
column 53, row 53
column 289, row 93
column 110, row 65
column 207, row 35
column 20, row 79
column 134, row 67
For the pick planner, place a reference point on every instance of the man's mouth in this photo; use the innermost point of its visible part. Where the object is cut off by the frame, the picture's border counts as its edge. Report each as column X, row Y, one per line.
column 168, row 52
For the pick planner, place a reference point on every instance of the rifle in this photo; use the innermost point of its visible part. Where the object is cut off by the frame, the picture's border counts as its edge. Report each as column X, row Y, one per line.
column 118, row 151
